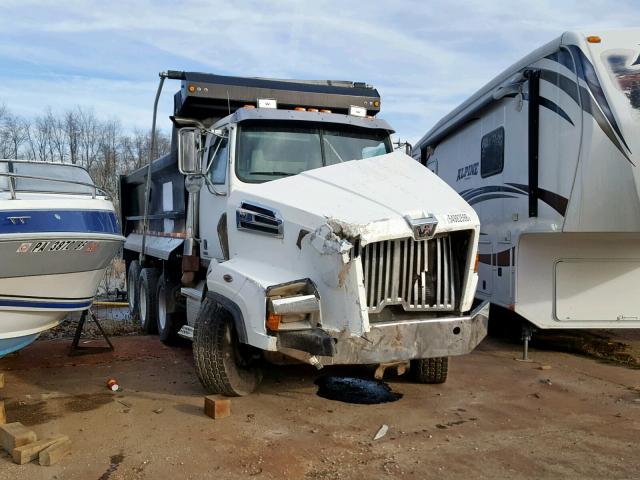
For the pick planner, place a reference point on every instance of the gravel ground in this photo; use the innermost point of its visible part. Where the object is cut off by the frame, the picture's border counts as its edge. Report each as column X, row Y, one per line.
column 495, row 418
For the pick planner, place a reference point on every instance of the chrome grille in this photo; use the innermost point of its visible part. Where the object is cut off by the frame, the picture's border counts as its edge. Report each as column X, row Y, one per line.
column 419, row 275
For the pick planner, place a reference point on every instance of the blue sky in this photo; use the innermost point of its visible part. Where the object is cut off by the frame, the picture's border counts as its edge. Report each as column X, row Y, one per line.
column 424, row 57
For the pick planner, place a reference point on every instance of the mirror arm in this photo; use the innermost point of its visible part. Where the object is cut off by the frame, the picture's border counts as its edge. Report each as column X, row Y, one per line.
column 212, row 189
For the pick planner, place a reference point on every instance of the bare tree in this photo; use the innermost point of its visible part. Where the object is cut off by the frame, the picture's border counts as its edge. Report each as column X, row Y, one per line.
column 78, row 136
column 15, row 130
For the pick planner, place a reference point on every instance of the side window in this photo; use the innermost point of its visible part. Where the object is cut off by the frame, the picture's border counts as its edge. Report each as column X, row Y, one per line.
column 492, row 153
column 218, row 163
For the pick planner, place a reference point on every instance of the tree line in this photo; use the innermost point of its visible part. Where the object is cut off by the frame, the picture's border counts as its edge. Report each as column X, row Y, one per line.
column 80, row 137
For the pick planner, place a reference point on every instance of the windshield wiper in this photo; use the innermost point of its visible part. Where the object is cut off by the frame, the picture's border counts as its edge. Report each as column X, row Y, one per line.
column 280, row 174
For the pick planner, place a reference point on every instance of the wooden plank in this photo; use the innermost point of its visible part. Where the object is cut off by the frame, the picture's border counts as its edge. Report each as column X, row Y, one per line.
column 14, row 435
column 53, row 454
column 29, row 452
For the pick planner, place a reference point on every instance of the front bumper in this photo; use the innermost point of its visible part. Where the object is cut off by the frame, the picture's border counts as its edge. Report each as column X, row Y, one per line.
column 407, row 337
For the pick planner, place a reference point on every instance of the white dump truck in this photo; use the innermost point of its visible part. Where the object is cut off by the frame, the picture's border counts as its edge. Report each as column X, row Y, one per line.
column 283, row 225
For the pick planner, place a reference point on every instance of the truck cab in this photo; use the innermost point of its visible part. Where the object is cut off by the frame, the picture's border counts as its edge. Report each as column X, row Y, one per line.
column 290, row 228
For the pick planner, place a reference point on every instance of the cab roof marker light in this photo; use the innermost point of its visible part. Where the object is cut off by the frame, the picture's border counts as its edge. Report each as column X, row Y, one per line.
column 325, row 110
column 312, row 109
column 594, row 39
column 267, row 103
column 248, row 105
column 300, row 109
column 357, row 111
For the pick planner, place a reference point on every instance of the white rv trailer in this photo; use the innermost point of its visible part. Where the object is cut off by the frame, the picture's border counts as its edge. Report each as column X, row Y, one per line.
column 547, row 154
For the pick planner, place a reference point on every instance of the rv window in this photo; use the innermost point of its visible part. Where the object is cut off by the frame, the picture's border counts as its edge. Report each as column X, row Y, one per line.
column 492, row 153
column 218, row 169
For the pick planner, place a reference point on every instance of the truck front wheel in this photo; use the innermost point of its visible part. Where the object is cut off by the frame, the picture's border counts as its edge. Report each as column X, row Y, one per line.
column 430, row 370
column 224, row 365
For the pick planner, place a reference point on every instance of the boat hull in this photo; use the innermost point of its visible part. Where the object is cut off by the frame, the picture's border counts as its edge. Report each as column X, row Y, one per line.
column 44, row 277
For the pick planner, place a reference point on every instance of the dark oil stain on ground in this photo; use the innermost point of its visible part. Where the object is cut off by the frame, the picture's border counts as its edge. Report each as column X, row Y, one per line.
column 116, row 460
column 355, row 390
column 87, row 402
column 29, row 413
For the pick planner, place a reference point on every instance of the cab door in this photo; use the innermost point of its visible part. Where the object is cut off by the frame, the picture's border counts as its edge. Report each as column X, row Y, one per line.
column 213, row 200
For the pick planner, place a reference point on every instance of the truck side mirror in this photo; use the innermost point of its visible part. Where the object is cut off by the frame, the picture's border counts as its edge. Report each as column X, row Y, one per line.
column 189, row 151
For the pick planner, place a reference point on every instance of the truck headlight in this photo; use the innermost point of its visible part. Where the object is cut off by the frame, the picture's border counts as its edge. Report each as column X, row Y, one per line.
column 293, row 306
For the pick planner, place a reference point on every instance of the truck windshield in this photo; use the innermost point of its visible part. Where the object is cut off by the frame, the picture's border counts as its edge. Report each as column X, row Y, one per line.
column 268, row 153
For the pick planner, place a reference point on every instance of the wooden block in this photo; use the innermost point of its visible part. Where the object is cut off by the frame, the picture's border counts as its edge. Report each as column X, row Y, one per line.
column 3, row 413
column 14, row 435
column 31, row 451
column 1, row 380
column 217, row 407
column 53, row 454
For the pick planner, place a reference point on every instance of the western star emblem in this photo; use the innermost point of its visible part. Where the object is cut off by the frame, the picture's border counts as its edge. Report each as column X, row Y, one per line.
column 423, row 228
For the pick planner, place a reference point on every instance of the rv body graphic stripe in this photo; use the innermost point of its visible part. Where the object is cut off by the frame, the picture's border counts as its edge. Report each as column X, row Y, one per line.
column 565, row 84
column 587, row 72
column 593, row 100
column 474, row 192
column 555, row 201
column 477, row 195
column 490, row 196
column 545, row 102
column 590, row 106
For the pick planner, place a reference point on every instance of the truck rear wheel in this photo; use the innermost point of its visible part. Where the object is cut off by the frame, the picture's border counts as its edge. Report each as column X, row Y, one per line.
column 147, row 302
column 224, row 365
column 168, row 323
column 133, row 276
column 430, row 370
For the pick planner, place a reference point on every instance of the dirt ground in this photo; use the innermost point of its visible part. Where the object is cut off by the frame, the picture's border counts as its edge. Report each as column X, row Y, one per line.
column 495, row 418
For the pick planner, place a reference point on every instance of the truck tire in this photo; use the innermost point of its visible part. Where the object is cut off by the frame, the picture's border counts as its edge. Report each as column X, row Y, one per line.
column 223, row 364
column 133, row 276
column 147, row 302
column 168, row 323
column 430, row 370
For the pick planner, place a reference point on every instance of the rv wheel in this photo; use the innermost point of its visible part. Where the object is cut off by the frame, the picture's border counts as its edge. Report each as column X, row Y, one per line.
column 168, row 323
column 147, row 303
column 430, row 370
column 223, row 364
column 133, row 275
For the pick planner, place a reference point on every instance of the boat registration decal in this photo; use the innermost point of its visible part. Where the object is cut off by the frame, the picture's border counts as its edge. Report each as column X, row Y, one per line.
column 58, row 246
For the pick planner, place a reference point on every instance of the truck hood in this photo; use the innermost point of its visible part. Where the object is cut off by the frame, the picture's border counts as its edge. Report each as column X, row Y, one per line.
column 371, row 199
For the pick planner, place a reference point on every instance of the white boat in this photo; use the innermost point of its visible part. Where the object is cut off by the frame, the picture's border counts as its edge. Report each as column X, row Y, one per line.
column 58, row 233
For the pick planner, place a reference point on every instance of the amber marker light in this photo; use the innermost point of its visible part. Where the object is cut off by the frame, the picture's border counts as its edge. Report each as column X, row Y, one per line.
column 594, row 39
column 273, row 321
column 475, row 265
column 191, row 88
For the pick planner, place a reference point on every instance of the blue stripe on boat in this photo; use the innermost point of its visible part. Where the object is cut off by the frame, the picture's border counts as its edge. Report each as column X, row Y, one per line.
column 43, row 221
column 44, row 304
